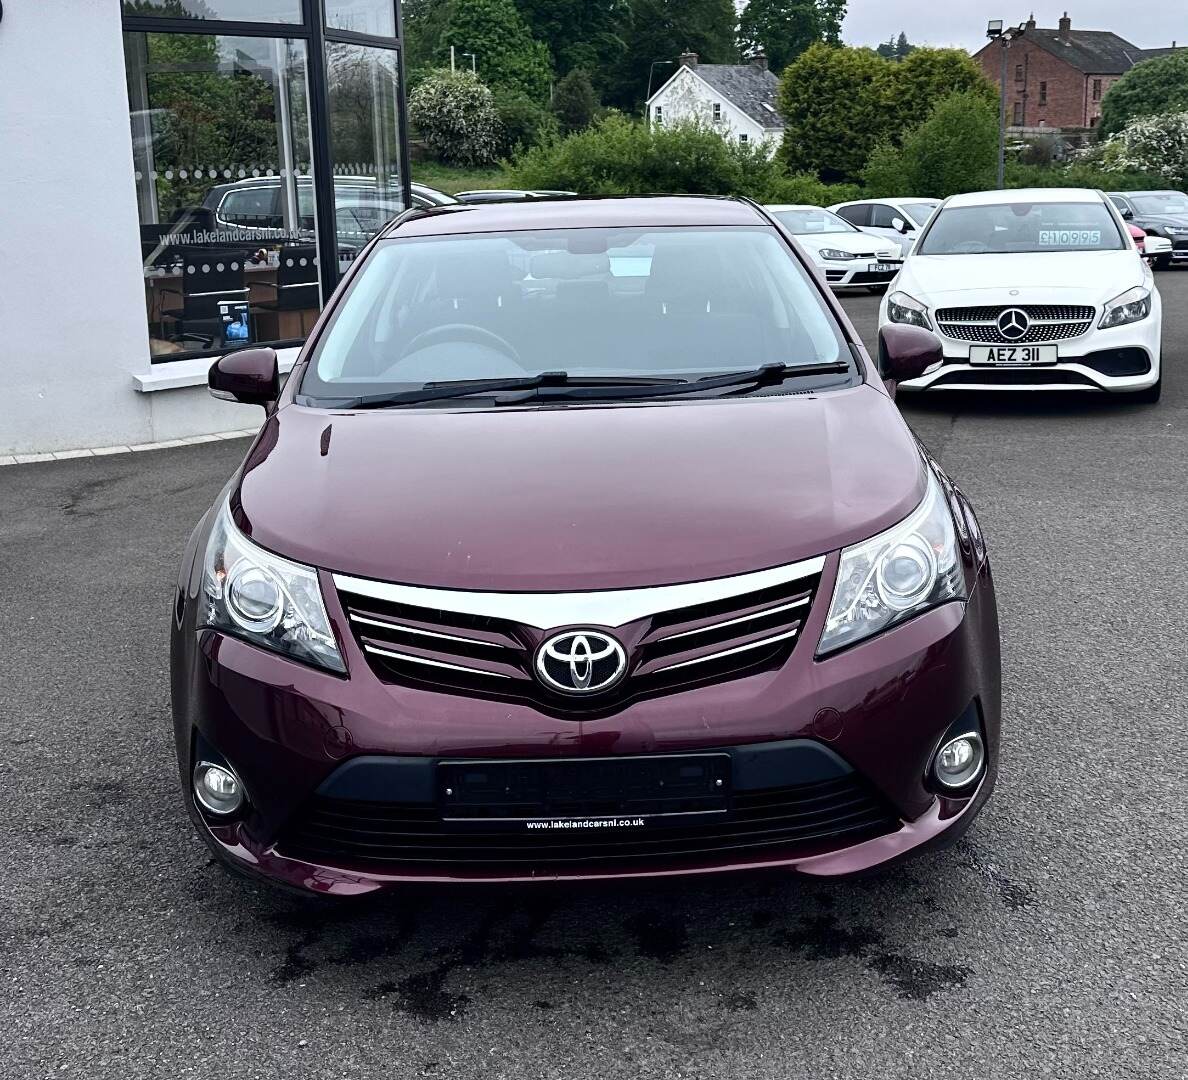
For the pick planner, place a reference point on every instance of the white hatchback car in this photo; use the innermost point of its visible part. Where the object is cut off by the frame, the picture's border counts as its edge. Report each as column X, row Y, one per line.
column 1039, row 289
column 848, row 257
column 896, row 220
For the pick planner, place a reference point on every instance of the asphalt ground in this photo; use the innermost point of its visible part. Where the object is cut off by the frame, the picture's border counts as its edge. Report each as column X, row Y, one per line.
column 1050, row 942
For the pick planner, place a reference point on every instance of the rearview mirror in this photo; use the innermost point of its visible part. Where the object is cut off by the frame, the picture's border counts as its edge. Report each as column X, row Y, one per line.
column 249, row 376
column 906, row 352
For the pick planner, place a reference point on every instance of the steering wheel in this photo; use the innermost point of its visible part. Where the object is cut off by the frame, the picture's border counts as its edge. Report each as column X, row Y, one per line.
column 461, row 332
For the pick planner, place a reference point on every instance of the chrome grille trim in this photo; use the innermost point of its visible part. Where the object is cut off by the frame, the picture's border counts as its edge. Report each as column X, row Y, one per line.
column 410, row 658
column 803, row 602
column 730, row 652
column 405, row 629
column 612, row 607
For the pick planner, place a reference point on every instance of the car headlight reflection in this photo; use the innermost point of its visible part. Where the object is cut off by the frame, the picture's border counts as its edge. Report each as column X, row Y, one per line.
column 909, row 568
column 1134, row 305
column 902, row 308
column 265, row 599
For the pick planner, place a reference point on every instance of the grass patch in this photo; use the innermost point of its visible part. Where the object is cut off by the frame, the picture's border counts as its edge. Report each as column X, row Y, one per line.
column 450, row 180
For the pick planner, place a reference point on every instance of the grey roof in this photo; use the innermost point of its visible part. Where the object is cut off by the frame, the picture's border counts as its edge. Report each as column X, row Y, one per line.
column 1092, row 52
column 1151, row 54
column 748, row 87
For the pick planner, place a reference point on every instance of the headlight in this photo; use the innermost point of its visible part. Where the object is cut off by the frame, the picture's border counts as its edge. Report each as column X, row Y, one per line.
column 897, row 574
column 1132, row 306
column 836, row 254
column 265, row 599
column 902, row 308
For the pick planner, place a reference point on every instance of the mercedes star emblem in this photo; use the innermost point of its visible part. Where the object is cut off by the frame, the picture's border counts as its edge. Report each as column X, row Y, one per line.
column 1013, row 324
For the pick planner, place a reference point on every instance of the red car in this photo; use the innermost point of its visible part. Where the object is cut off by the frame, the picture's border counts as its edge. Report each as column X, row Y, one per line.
column 585, row 540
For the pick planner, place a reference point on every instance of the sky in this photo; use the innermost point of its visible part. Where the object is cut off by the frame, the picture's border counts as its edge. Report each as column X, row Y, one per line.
column 1145, row 23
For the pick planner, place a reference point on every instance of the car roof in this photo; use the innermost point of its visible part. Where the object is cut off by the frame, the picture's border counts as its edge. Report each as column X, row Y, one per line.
column 1025, row 195
column 610, row 212
column 892, row 199
column 1160, row 191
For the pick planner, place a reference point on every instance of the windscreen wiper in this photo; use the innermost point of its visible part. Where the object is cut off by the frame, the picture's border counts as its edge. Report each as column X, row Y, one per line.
column 439, row 391
column 766, row 375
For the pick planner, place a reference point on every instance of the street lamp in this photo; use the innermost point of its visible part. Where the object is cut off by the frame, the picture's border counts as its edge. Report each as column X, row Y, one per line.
column 995, row 31
column 473, row 66
column 651, row 70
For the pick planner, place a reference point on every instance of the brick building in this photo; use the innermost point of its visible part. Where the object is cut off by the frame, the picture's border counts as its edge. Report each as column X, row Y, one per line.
column 1057, row 78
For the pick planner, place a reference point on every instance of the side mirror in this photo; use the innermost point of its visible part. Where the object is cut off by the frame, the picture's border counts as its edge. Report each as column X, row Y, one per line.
column 1158, row 245
column 249, row 376
column 1127, row 213
column 906, row 352
column 900, row 226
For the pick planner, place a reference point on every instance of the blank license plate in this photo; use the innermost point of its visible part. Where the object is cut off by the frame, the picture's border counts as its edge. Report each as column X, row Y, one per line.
column 1013, row 354
column 885, row 268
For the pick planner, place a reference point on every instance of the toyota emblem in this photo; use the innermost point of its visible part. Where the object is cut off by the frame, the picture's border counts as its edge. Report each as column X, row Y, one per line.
column 1013, row 324
column 580, row 662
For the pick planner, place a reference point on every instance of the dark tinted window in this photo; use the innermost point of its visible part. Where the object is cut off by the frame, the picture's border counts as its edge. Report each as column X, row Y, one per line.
column 855, row 215
column 883, row 216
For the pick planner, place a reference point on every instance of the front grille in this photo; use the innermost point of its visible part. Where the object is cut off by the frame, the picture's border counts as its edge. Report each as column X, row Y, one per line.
column 1049, row 322
column 671, row 650
column 366, row 834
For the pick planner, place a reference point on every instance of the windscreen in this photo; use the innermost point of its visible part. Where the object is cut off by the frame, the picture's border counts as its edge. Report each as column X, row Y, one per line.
column 802, row 222
column 919, row 212
column 627, row 302
column 1005, row 228
column 1163, row 202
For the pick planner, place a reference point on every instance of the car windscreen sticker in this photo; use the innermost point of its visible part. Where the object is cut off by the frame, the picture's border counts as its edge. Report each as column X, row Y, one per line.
column 1066, row 238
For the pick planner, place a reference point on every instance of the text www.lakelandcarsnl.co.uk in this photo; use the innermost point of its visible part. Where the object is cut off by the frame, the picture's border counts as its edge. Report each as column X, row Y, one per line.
column 586, row 823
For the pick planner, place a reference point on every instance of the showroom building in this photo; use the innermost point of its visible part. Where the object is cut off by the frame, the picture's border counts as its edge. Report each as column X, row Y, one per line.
column 179, row 178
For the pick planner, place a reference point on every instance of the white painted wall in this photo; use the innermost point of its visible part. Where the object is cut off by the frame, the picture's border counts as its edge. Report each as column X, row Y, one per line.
column 686, row 97
column 73, row 331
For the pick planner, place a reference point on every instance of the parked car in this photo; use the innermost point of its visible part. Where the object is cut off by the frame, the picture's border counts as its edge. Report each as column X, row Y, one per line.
column 847, row 256
column 684, row 595
column 489, row 195
column 1032, row 290
column 893, row 219
column 1158, row 213
column 425, row 197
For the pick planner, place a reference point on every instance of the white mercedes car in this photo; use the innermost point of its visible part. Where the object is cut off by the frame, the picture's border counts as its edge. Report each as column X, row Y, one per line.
column 848, row 257
column 1039, row 289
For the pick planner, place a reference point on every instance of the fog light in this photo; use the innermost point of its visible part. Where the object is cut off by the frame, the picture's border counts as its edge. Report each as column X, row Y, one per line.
column 959, row 760
column 217, row 789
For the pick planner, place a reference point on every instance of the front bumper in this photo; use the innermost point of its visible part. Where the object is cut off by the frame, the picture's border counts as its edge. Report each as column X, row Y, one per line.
column 858, row 273
column 878, row 708
column 1121, row 359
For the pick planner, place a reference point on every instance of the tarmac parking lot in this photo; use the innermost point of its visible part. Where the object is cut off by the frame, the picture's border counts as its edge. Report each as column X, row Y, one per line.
column 1050, row 942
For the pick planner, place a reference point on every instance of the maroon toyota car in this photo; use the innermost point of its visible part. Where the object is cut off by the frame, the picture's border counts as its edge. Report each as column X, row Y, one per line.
column 585, row 540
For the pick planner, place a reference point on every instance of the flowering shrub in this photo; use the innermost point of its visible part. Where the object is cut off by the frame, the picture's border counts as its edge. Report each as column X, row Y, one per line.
column 1152, row 144
column 455, row 114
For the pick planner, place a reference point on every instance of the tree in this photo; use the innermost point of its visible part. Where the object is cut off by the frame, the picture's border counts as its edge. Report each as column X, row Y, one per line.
column 783, row 29
column 1154, row 86
column 833, row 103
column 662, row 30
column 1156, row 145
column 925, row 76
column 455, row 114
column 896, row 48
column 579, row 33
column 575, row 101
column 522, row 121
column 954, row 150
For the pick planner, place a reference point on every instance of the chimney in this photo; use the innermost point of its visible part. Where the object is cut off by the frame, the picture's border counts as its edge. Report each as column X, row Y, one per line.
column 760, row 61
column 688, row 59
column 1065, row 26
column 1030, row 24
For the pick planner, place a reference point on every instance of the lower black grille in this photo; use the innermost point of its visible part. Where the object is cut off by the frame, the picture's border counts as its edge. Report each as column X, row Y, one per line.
column 803, row 817
column 986, row 376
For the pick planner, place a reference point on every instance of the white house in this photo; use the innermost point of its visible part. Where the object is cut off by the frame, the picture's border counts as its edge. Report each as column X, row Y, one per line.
column 737, row 99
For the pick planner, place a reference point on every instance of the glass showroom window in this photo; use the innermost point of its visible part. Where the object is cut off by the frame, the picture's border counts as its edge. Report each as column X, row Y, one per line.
column 265, row 11
column 363, row 86
column 222, row 155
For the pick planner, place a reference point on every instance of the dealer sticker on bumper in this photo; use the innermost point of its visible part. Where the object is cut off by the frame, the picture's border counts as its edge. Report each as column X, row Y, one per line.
column 1013, row 354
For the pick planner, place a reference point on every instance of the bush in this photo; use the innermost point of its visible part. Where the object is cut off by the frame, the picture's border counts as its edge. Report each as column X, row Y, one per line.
column 954, row 150
column 1157, row 145
column 1078, row 174
column 1154, row 86
column 807, row 189
column 523, row 122
column 575, row 101
column 455, row 114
